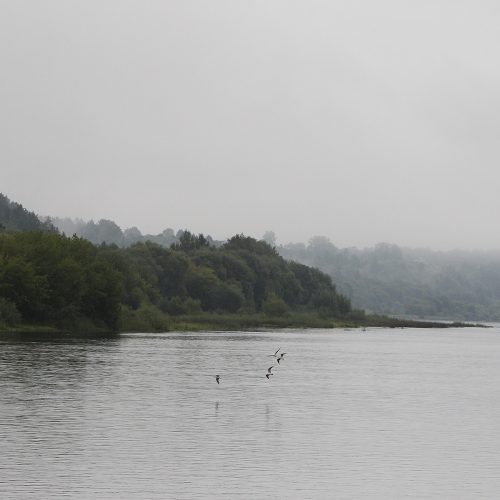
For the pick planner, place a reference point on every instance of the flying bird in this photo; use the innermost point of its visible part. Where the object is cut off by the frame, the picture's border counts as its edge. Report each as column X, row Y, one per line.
column 268, row 374
column 274, row 353
column 281, row 358
column 217, row 378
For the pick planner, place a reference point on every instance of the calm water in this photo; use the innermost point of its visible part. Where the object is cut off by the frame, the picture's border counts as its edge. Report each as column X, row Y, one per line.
column 349, row 414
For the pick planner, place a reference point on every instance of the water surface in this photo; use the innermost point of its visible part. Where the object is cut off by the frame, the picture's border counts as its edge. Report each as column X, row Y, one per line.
column 348, row 414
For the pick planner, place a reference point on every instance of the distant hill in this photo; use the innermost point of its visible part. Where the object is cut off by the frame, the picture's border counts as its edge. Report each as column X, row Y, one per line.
column 388, row 279
column 14, row 217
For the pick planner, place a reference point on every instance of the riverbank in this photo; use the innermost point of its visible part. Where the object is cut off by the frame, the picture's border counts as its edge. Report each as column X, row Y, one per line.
column 234, row 322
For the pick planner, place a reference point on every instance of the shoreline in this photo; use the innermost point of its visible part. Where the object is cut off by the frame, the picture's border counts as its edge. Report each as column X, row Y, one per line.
column 224, row 322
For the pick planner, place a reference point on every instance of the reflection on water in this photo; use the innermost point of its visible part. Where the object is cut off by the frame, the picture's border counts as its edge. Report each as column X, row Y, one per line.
column 348, row 414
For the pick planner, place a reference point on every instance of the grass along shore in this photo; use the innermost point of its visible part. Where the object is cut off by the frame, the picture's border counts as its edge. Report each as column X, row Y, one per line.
column 150, row 319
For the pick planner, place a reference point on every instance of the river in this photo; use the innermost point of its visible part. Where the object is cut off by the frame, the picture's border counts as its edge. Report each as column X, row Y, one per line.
column 381, row 413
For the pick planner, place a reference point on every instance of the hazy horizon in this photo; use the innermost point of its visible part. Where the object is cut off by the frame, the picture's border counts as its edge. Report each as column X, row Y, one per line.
column 362, row 122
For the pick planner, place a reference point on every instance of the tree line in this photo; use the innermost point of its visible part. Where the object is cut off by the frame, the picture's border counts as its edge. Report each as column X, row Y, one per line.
column 107, row 231
column 49, row 279
column 385, row 279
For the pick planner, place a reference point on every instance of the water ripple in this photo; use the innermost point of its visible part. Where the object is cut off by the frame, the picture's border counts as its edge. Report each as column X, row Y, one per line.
column 381, row 414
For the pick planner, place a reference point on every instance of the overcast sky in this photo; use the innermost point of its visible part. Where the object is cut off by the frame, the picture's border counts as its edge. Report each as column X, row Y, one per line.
column 364, row 121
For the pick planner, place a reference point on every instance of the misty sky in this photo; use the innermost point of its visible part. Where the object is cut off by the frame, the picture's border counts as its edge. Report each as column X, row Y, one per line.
column 363, row 121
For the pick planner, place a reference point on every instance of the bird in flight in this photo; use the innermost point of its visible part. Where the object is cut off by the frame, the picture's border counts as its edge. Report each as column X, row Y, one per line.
column 217, row 378
column 268, row 374
column 281, row 358
column 274, row 353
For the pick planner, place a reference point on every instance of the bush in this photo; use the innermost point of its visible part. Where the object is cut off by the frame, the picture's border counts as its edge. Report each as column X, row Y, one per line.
column 357, row 314
column 145, row 319
column 274, row 306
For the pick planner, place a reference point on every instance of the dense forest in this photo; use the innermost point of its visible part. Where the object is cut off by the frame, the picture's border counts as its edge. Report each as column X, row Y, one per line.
column 388, row 279
column 50, row 279
column 47, row 278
